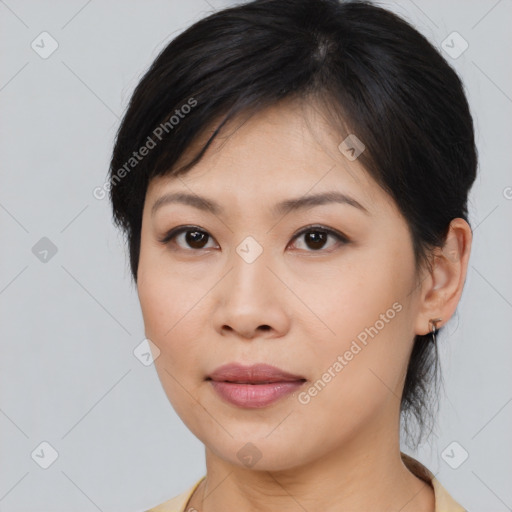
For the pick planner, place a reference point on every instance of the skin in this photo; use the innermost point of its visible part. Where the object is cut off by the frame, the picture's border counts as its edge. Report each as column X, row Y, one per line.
column 204, row 306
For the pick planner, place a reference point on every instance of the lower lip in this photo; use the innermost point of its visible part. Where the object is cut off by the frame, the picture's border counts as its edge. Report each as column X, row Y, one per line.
column 254, row 395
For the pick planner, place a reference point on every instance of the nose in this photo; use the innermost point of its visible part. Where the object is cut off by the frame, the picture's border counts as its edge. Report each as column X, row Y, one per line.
column 250, row 301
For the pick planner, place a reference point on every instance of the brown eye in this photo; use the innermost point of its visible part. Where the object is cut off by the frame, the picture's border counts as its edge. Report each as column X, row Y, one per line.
column 315, row 239
column 196, row 239
column 187, row 238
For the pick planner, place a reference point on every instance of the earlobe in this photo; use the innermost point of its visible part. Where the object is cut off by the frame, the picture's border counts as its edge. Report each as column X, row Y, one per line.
column 433, row 322
column 442, row 289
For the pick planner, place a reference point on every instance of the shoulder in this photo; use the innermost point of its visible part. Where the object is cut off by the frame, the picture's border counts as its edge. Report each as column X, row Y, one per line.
column 443, row 501
column 178, row 503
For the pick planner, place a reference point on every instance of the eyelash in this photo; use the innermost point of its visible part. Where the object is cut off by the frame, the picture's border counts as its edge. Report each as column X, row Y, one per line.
column 173, row 233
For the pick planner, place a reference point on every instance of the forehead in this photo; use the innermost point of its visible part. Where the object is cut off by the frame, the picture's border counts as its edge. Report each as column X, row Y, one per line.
column 287, row 150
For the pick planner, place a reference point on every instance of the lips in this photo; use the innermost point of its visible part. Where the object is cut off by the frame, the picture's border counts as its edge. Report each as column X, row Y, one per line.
column 254, row 374
column 255, row 386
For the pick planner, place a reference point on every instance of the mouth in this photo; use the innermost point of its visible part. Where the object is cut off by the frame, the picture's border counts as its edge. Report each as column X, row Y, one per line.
column 253, row 386
column 254, row 374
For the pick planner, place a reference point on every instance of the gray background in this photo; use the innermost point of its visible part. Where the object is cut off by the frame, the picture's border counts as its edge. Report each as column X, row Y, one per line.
column 69, row 325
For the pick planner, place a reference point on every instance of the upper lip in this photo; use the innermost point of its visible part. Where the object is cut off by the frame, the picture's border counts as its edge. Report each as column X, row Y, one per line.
column 256, row 373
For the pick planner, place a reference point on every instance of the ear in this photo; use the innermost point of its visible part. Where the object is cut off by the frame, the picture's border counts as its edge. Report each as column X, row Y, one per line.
column 442, row 285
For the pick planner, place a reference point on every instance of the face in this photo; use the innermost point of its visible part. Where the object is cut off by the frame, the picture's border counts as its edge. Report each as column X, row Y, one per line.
column 324, row 290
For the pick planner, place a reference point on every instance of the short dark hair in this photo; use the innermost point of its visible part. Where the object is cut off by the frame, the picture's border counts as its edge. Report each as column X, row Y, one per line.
column 370, row 70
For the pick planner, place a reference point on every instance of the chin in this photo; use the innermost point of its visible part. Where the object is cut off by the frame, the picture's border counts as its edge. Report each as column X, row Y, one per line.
column 257, row 451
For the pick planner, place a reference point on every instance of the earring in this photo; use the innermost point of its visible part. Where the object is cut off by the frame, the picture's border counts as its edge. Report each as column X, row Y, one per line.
column 435, row 330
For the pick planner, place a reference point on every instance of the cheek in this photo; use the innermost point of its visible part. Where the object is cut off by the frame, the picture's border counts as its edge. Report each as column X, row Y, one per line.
column 165, row 295
column 358, row 378
column 168, row 307
column 366, row 289
column 366, row 346
column 168, row 312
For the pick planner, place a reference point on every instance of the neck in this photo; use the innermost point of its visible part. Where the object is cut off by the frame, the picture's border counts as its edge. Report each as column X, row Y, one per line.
column 367, row 473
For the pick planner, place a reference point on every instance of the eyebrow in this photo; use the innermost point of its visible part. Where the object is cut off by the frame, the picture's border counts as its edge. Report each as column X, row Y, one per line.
column 304, row 202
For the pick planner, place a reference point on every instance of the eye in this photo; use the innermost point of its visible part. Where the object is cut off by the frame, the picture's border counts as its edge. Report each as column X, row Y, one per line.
column 317, row 236
column 192, row 236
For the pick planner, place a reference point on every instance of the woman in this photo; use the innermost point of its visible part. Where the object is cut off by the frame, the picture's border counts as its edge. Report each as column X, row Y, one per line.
column 292, row 177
